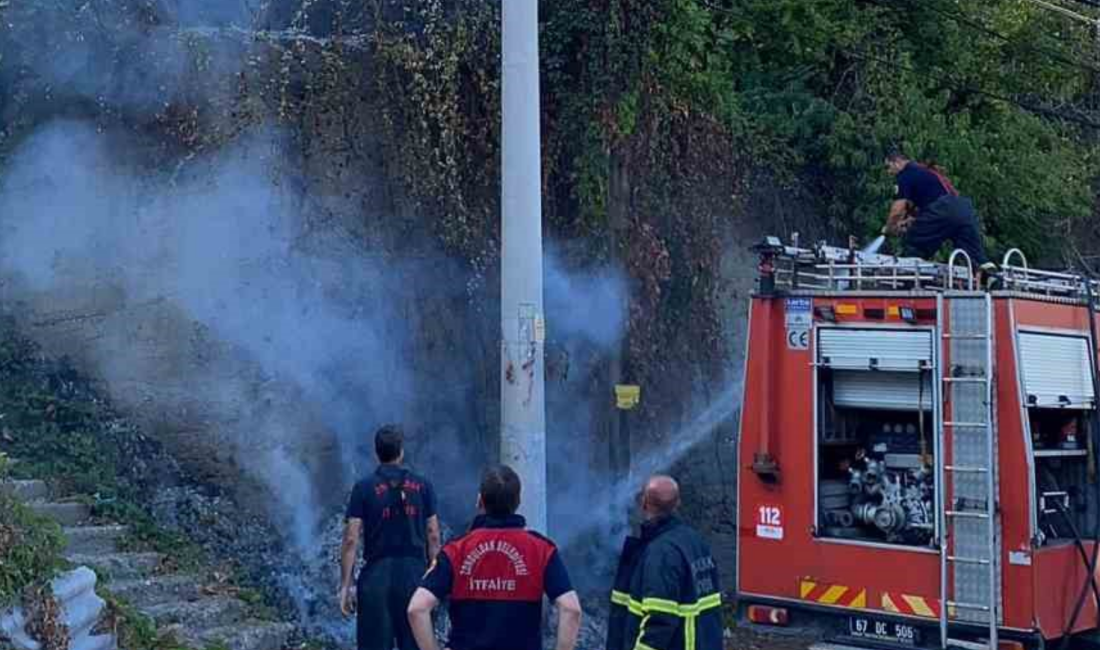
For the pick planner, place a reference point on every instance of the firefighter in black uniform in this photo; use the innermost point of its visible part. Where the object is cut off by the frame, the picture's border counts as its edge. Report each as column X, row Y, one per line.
column 394, row 511
column 495, row 577
column 666, row 594
column 928, row 211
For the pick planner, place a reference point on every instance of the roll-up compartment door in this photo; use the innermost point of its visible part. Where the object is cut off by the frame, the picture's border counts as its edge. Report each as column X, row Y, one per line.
column 891, row 391
column 874, row 349
column 1055, row 370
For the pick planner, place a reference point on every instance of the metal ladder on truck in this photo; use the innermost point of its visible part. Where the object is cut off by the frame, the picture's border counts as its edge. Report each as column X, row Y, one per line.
column 970, row 577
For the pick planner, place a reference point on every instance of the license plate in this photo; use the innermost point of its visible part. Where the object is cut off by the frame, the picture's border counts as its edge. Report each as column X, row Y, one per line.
column 868, row 628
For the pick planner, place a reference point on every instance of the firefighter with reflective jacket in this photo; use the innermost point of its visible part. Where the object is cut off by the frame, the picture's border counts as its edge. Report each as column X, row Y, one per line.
column 666, row 594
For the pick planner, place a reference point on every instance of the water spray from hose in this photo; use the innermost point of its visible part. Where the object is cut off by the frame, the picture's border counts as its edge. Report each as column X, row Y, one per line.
column 874, row 246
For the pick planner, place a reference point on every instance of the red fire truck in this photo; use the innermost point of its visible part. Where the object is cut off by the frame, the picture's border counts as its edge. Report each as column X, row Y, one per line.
column 917, row 454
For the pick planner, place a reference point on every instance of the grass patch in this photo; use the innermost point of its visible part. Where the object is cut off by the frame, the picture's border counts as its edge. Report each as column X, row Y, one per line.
column 30, row 547
column 134, row 630
column 257, row 606
column 144, row 535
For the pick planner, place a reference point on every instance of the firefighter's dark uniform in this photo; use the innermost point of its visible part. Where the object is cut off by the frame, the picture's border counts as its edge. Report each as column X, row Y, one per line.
column 495, row 577
column 394, row 505
column 666, row 594
column 942, row 215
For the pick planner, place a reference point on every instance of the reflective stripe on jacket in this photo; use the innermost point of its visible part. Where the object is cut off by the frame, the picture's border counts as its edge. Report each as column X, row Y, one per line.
column 666, row 594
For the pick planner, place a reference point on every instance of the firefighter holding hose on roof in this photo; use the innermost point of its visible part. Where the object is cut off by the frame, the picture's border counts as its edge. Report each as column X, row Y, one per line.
column 666, row 594
column 928, row 211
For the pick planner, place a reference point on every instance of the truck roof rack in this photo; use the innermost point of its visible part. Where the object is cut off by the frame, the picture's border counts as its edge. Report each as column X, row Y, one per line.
column 834, row 268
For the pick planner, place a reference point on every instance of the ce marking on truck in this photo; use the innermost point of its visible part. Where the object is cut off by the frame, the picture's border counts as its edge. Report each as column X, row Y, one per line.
column 798, row 339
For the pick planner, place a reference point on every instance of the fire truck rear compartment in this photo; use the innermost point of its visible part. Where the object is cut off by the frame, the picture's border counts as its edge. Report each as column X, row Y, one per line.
column 1065, row 496
column 1058, row 398
column 875, row 472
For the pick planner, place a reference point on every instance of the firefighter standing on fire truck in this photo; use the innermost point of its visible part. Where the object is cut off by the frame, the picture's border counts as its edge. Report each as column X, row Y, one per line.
column 666, row 594
column 495, row 577
column 928, row 211
column 394, row 512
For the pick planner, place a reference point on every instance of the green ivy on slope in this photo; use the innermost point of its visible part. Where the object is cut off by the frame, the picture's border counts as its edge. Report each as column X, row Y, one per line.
column 30, row 546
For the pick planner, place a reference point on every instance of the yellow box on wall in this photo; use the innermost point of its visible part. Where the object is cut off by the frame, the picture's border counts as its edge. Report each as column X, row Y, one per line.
column 627, row 396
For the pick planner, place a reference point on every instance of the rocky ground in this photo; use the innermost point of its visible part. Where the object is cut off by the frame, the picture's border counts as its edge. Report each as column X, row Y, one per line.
column 758, row 639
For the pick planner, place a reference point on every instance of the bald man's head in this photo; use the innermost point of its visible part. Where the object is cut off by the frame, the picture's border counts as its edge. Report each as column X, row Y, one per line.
column 661, row 497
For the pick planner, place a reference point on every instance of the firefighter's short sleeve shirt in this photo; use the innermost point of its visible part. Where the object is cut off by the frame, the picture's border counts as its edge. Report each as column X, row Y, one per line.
column 919, row 185
column 394, row 520
column 495, row 578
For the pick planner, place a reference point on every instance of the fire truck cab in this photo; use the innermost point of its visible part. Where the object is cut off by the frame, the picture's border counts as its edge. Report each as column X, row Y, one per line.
column 918, row 455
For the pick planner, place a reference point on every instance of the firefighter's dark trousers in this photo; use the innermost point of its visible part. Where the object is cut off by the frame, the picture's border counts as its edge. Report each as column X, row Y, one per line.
column 384, row 590
column 949, row 218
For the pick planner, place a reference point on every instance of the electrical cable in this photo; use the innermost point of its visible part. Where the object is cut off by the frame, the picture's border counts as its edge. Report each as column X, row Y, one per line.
column 989, row 31
column 958, row 18
column 1080, row 544
column 1031, row 108
column 1069, row 13
column 1026, row 106
column 1091, row 566
column 1088, row 3
column 920, row 417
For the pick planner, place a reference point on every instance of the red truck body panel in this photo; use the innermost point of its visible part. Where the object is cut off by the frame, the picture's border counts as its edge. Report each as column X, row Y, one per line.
column 780, row 556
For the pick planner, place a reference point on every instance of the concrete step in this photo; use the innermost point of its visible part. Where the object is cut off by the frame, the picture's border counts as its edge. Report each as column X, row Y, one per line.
column 26, row 490
column 119, row 566
column 247, row 636
column 95, row 642
column 204, row 614
column 65, row 514
column 93, row 540
column 146, row 592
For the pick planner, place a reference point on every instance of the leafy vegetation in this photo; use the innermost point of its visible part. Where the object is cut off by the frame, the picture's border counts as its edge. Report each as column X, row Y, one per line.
column 30, row 546
column 61, row 431
column 996, row 92
column 132, row 629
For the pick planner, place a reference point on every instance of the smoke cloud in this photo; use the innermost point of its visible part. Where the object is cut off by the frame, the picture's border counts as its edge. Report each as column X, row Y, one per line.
column 586, row 325
column 208, row 302
column 201, row 302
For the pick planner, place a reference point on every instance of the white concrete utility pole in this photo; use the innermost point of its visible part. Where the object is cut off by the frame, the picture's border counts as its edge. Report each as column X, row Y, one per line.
column 522, row 386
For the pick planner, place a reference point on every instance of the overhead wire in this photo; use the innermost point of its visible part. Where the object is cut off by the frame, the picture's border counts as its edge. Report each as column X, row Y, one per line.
column 959, row 19
column 1069, row 13
column 953, row 83
column 977, row 90
column 967, row 21
column 1088, row 3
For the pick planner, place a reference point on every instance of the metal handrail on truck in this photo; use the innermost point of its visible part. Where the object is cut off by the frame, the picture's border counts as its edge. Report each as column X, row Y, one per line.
column 834, row 268
column 1021, row 277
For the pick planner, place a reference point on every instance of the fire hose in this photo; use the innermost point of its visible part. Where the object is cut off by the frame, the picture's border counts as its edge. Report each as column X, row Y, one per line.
column 1078, row 541
column 1090, row 564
